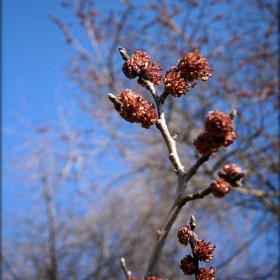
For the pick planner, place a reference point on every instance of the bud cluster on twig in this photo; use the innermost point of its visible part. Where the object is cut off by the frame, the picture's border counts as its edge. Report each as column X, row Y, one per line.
column 230, row 175
column 140, row 63
column 218, row 132
column 201, row 251
column 179, row 80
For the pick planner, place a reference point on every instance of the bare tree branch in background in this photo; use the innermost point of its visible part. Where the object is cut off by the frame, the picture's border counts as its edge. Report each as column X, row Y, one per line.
column 111, row 186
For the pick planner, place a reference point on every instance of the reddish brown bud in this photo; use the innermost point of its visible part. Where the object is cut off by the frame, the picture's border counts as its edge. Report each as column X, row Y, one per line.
column 140, row 63
column 232, row 174
column 174, row 83
column 129, row 68
column 218, row 124
column 187, row 265
column 220, row 188
column 206, row 144
column 149, row 71
column 135, row 108
column 228, row 140
column 205, row 274
column 184, row 234
column 219, row 132
column 203, row 251
column 194, row 67
column 141, row 58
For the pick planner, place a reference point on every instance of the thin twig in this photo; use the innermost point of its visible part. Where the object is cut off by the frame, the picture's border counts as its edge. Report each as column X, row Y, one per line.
column 170, row 143
column 195, row 167
column 126, row 272
column 192, row 244
column 161, row 238
column 196, row 195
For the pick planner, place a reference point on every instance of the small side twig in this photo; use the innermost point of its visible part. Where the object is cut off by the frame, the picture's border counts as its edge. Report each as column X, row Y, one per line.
column 195, row 167
column 197, row 195
column 192, row 243
column 126, row 272
column 162, row 97
column 117, row 104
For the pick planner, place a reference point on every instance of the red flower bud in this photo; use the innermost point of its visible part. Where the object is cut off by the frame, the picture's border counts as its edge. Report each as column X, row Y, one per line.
column 203, row 251
column 205, row 274
column 187, row 265
column 220, row 188
column 194, row 67
column 135, row 108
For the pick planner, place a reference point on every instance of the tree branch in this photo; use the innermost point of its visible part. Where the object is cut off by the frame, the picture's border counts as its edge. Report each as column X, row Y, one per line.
column 161, row 237
column 196, row 195
column 170, row 143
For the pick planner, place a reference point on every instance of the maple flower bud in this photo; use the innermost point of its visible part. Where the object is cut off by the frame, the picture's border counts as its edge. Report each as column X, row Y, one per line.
column 149, row 71
column 206, row 274
column 228, row 139
column 174, row 83
column 135, row 108
column 206, row 144
column 232, row 174
column 129, row 68
column 218, row 124
column 187, row 265
column 203, row 251
column 218, row 132
column 141, row 58
column 140, row 62
column 194, row 67
column 184, row 234
column 220, row 188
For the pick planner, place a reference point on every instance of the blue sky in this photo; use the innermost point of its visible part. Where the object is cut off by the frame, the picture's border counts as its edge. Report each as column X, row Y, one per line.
column 32, row 61
column 34, row 55
column 33, row 58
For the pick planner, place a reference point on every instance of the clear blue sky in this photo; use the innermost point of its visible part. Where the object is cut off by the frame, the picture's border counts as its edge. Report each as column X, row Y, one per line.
column 32, row 61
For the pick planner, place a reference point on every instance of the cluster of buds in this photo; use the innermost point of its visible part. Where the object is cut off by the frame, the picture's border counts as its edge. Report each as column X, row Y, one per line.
column 218, row 132
column 140, row 64
column 201, row 250
column 185, row 235
column 179, row 80
column 230, row 175
column 134, row 108
column 206, row 274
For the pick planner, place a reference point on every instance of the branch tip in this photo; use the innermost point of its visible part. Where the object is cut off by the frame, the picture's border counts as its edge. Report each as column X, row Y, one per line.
column 192, row 222
column 232, row 114
column 123, row 53
column 117, row 103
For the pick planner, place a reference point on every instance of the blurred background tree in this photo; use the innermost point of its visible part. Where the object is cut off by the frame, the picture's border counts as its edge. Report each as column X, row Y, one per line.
column 98, row 188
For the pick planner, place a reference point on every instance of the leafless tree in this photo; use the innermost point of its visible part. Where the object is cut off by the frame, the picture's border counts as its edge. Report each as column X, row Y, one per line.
column 127, row 207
